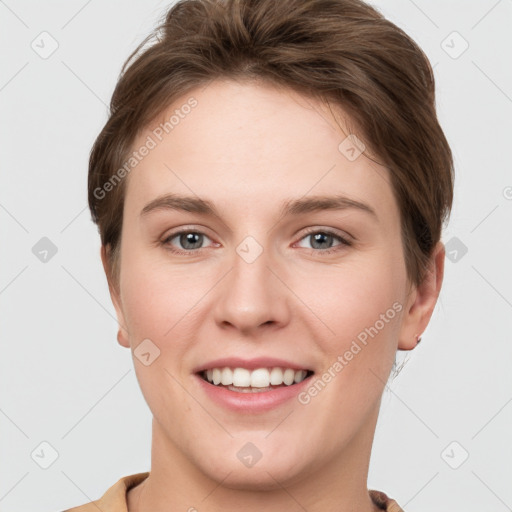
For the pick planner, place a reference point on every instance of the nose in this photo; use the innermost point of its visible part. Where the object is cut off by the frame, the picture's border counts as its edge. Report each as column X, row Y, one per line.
column 253, row 296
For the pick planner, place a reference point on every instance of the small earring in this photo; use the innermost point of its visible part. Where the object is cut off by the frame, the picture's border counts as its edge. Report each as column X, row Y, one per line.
column 418, row 338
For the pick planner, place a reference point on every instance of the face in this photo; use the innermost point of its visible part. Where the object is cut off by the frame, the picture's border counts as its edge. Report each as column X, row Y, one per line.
column 284, row 250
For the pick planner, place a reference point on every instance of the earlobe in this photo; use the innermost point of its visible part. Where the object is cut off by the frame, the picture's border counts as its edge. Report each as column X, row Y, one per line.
column 122, row 339
column 419, row 312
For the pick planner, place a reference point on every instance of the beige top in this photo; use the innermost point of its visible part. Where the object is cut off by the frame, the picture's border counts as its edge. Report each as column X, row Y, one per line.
column 114, row 499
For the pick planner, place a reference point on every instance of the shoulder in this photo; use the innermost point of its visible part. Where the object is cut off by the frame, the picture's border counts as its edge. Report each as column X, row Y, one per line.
column 114, row 498
column 384, row 502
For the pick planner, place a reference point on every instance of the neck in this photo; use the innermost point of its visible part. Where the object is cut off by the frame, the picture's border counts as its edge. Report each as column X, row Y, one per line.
column 176, row 483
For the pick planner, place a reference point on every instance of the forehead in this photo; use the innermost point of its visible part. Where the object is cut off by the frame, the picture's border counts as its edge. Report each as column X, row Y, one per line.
column 246, row 143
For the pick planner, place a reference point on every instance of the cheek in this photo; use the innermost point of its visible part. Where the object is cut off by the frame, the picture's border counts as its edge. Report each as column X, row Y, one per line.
column 158, row 303
column 363, row 307
column 159, row 299
column 358, row 301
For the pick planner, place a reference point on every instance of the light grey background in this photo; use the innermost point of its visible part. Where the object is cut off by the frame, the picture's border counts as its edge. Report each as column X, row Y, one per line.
column 65, row 380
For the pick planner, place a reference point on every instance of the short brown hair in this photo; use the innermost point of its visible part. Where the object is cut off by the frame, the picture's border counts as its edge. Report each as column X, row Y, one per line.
column 339, row 51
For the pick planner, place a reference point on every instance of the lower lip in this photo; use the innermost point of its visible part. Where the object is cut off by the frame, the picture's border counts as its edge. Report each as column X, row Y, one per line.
column 252, row 402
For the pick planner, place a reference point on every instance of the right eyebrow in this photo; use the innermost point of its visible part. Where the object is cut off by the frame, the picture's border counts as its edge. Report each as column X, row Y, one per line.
column 179, row 202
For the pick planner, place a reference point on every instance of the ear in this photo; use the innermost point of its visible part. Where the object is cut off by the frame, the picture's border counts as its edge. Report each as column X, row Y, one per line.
column 422, row 301
column 122, row 333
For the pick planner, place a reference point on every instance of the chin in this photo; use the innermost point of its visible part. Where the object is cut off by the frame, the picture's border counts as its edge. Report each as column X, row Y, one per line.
column 263, row 479
column 266, row 474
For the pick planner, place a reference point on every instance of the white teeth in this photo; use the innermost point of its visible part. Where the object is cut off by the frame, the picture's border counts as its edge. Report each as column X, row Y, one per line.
column 259, row 378
column 276, row 377
column 227, row 376
column 299, row 375
column 241, row 377
column 288, row 376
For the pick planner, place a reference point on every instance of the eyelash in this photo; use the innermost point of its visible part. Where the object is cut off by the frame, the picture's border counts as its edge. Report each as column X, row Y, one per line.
column 323, row 252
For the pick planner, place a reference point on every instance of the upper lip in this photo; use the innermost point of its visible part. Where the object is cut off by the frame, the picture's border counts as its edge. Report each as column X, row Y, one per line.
column 250, row 364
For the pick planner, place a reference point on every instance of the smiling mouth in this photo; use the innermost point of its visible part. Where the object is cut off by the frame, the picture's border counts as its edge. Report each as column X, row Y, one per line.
column 242, row 380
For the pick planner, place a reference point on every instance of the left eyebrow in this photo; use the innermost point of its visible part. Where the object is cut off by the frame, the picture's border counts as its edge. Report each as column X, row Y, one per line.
column 290, row 207
column 318, row 203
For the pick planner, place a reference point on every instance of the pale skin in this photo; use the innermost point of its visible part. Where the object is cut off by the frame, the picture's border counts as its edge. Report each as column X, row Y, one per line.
column 248, row 148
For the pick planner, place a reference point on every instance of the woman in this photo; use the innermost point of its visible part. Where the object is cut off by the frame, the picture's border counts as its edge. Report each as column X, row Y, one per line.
column 270, row 190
